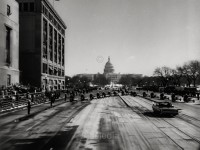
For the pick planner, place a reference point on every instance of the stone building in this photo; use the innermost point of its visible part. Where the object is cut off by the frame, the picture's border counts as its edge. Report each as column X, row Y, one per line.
column 42, row 45
column 9, row 42
column 115, row 77
column 108, row 67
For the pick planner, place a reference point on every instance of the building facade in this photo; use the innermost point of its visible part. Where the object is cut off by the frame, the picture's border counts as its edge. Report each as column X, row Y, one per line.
column 108, row 67
column 9, row 42
column 115, row 77
column 42, row 45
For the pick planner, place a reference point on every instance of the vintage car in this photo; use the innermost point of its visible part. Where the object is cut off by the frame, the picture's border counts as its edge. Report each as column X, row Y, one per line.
column 164, row 107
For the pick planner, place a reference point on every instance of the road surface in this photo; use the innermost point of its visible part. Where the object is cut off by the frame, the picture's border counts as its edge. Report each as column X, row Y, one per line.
column 118, row 123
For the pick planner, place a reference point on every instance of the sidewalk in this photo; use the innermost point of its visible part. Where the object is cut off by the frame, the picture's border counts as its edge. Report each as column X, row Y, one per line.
column 22, row 114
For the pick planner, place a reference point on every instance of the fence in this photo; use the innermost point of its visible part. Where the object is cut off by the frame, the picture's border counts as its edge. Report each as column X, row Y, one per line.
column 10, row 102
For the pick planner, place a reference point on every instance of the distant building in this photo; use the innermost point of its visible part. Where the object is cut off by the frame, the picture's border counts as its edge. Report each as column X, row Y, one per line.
column 42, row 45
column 115, row 77
column 133, row 75
column 88, row 76
column 108, row 67
column 9, row 42
column 109, row 73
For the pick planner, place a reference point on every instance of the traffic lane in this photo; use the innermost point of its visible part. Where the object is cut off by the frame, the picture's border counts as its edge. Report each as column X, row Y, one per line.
column 190, row 113
column 35, row 132
column 108, row 123
column 183, row 132
column 190, row 109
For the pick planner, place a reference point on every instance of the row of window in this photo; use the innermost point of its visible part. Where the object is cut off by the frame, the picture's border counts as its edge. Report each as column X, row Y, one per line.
column 49, row 15
column 52, row 70
column 27, row 7
column 30, row 7
column 53, row 84
column 56, row 82
column 58, row 42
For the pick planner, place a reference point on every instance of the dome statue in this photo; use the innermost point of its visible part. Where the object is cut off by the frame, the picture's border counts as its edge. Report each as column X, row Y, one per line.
column 108, row 67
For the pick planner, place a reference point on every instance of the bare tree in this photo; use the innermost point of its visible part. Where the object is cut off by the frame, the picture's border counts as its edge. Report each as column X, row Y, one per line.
column 164, row 73
column 177, row 74
column 126, row 80
column 193, row 70
column 187, row 74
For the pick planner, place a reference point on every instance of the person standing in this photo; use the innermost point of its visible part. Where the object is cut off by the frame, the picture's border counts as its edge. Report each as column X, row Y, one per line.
column 65, row 96
column 29, row 106
column 52, row 96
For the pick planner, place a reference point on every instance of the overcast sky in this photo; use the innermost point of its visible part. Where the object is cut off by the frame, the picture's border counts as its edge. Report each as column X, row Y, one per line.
column 138, row 35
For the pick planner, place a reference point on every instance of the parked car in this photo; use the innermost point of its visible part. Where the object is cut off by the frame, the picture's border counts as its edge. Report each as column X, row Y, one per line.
column 164, row 108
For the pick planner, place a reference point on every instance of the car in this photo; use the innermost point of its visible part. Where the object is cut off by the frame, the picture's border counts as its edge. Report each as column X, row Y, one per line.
column 164, row 108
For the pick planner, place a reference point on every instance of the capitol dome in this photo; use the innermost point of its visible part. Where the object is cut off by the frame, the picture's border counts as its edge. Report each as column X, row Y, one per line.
column 108, row 67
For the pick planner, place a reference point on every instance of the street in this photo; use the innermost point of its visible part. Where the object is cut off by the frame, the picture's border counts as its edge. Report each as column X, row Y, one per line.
column 124, row 123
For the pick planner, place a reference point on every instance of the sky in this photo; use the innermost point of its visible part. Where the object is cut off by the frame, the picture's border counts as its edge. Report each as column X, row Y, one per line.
column 138, row 35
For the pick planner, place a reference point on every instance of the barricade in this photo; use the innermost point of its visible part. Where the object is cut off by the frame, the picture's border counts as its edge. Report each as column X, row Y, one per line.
column 20, row 100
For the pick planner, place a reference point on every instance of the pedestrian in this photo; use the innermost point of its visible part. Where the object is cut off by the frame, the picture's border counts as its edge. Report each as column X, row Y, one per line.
column 173, row 97
column 91, row 96
column 82, row 97
column 52, row 98
column 29, row 106
column 198, row 95
column 162, row 96
column 65, row 96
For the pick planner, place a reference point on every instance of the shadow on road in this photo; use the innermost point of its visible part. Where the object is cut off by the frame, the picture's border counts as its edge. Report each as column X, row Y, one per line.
column 152, row 114
column 58, row 141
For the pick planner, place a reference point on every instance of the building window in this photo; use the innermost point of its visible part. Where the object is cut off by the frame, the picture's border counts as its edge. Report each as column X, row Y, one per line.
column 63, row 51
column 51, row 82
column 44, row 39
column 59, row 49
column 51, row 42
column 32, row 7
column 44, row 68
column 25, row 7
column 50, row 70
column 63, row 73
column 8, row 10
column 55, row 46
column 51, row 17
column 8, row 45
column 45, row 11
column 59, row 72
column 55, row 71
column 8, row 79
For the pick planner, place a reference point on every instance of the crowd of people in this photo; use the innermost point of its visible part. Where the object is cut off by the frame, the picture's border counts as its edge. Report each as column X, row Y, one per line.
column 17, row 89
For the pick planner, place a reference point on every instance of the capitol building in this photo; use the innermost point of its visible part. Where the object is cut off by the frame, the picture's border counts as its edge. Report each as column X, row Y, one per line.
column 115, row 77
column 109, row 73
